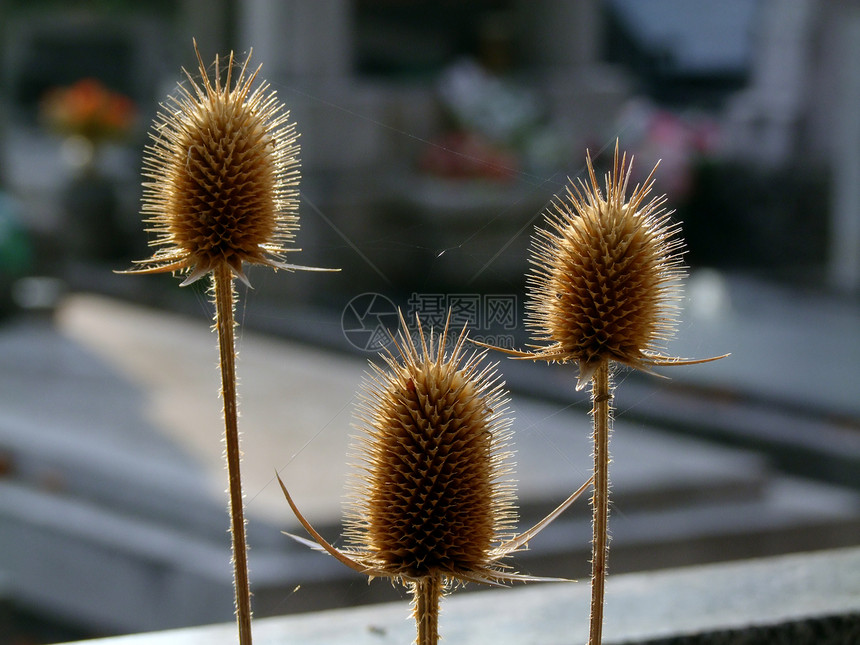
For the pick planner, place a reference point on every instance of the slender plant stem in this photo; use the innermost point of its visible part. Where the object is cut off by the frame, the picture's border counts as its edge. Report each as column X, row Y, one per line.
column 427, row 592
column 224, row 324
column 601, row 400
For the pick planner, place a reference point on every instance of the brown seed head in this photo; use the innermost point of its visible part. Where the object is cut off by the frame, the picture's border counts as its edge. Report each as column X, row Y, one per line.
column 223, row 174
column 429, row 496
column 606, row 275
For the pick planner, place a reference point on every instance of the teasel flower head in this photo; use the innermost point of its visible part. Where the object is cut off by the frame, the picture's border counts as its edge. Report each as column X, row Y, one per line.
column 431, row 496
column 606, row 277
column 222, row 177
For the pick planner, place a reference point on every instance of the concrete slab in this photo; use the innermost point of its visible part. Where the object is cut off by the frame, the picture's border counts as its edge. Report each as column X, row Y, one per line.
column 802, row 598
column 110, row 433
column 297, row 403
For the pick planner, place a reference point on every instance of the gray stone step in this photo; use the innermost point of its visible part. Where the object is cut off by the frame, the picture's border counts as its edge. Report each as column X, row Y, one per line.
column 800, row 598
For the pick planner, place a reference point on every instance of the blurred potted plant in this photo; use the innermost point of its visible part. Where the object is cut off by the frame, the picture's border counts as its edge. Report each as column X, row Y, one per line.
column 89, row 110
column 496, row 129
column 88, row 115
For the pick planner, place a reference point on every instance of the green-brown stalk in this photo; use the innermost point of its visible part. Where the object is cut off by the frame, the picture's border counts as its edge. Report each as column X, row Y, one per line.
column 601, row 398
column 222, row 279
column 427, row 593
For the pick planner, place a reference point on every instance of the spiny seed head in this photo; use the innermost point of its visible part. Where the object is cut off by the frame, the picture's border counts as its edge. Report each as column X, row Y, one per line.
column 223, row 173
column 606, row 276
column 429, row 496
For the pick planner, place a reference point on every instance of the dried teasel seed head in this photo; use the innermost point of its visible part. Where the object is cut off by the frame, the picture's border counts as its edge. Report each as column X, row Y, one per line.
column 431, row 495
column 223, row 172
column 432, row 503
column 606, row 276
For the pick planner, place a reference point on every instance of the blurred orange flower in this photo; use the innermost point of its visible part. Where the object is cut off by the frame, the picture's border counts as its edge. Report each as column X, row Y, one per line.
column 88, row 109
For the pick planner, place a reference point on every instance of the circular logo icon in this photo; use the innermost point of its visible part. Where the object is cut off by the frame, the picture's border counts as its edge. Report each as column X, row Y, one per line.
column 369, row 321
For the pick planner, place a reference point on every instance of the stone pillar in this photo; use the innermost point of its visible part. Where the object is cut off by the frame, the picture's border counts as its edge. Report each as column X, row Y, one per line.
column 764, row 118
column 206, row 22
column 560, row 34
column 844, row 251
column 298, row 38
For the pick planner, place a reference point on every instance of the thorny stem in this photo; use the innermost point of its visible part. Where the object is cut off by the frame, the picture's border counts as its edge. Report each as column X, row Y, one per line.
column 427, row 592
column 224, row 323
column 601, row 399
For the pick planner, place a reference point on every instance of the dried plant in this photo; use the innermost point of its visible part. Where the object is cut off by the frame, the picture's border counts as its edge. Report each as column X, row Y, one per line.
column 432, row 503
column 223, row 173
column 604, row 288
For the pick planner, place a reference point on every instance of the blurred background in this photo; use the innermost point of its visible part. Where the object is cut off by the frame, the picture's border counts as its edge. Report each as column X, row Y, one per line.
column 434, row 135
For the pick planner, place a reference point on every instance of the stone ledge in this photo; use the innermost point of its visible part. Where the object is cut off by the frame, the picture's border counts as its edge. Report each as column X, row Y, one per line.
column 800, row 598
